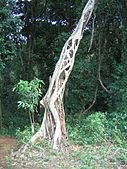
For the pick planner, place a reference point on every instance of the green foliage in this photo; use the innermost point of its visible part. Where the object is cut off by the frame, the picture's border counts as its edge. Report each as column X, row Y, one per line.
column 25, row 134
column 98, row 128
column 10, row 26
column 107, row 156
column 95, row 127
column 89, row 130
column 81, row 85
column 29, row 94
column 116, row 128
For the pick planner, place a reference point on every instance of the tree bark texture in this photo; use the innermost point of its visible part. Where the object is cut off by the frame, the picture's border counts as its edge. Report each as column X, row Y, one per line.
column 53, row 125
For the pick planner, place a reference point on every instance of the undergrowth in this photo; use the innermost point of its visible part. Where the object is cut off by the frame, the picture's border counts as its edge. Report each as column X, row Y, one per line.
column 95, row 141
column 97, row 129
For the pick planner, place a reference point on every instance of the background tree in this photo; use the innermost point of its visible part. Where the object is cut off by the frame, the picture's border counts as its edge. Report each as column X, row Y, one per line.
column 9, row 36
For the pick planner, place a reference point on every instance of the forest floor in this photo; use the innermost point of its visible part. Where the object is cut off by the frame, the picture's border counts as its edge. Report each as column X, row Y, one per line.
column 6, row 145
column 70, row 157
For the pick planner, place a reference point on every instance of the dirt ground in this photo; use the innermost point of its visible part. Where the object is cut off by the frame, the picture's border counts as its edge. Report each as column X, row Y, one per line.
column 6, row 145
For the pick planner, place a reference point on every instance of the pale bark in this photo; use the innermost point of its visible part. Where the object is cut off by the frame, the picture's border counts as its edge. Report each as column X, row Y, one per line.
column 53, row 125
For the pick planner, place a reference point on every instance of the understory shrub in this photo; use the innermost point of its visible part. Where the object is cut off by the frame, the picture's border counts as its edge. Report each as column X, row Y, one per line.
column 90, row 129
column 117, row 128
column 24, row 135
column 29, row 95
column 98, row 128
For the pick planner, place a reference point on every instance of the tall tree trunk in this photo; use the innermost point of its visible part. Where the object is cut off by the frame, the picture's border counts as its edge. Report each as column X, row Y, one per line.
column 53, row 125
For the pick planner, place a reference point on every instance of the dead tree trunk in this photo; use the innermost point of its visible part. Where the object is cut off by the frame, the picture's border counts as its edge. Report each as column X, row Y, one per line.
column 53, row 125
